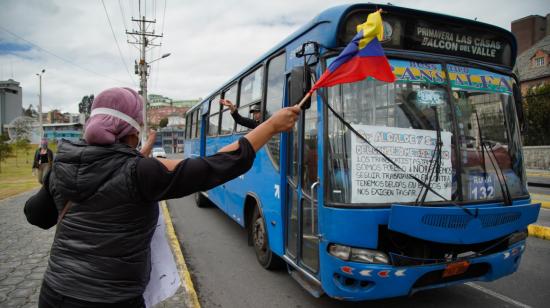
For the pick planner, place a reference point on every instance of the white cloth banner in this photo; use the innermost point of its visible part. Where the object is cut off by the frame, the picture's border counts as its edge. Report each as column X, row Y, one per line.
column 375, row 180
column 165, row 279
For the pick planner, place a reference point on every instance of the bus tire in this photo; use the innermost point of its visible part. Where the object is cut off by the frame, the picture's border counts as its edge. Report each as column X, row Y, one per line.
column 264, row 255
column 200, row 200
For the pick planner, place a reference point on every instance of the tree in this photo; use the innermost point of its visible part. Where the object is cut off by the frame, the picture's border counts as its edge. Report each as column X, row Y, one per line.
column 5, row 149
column 30, row 112
column 163, row 122
column 536, row 106
column 22, row 129
column 85, row 105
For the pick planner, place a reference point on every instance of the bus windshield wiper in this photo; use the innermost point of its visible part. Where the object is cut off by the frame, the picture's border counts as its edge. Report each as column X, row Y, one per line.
column 435, row 161
column 485, row 147
column 482, row 148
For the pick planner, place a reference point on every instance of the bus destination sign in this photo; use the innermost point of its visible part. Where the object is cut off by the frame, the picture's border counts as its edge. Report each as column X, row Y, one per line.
column 476, row 46
column 439, row 35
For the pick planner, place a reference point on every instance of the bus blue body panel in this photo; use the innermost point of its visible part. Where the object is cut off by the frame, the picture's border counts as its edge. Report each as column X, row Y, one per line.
column 452, row 225
column 260, row 182
column 359, row 227
column 358, row 281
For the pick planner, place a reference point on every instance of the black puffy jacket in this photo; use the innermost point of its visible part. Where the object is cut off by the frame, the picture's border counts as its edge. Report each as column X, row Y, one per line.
column 101, row 249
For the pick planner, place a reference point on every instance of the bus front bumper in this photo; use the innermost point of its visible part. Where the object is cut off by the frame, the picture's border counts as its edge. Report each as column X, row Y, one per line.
column 358, row 281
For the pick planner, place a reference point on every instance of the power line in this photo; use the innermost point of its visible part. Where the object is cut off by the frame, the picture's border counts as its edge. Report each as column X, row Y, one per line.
column 116, row 42
column 160, row 48
column 122, row 14
column 61, row 58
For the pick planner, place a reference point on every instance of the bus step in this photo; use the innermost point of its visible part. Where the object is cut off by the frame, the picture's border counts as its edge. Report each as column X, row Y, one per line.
column 311, row 285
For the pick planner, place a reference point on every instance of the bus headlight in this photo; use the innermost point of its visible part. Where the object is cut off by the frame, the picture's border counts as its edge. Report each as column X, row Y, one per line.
column 347, row 253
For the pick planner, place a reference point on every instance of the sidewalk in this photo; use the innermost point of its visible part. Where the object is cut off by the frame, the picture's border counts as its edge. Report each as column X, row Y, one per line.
column 24, row 251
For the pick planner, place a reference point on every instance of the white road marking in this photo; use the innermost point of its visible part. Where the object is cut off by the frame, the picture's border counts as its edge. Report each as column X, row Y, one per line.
column 497, row 295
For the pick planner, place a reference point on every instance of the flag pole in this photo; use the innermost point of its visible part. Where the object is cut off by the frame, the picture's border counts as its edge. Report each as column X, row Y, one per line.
column 308, row 95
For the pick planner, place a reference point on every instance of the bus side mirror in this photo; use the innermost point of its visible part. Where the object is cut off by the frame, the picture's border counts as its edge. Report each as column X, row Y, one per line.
column 299, row 85
column 519, row 109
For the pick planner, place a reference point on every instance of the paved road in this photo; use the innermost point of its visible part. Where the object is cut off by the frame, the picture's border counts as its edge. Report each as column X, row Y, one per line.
column 226, row 274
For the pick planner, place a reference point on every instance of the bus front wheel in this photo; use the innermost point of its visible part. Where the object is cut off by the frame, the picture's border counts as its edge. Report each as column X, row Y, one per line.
column 265, row 256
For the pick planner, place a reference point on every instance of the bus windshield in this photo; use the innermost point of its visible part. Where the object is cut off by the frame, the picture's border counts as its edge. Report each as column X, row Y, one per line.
column 405, row 120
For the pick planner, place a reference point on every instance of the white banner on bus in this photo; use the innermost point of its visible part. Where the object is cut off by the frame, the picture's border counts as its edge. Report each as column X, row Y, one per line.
column 375, row 180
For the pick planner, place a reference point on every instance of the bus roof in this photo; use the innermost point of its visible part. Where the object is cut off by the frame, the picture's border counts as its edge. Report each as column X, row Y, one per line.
column 333, row 18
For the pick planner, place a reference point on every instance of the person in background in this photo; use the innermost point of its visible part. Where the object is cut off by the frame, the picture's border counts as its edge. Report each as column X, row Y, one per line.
column 43, row 160
column 104, row 198
column 249, row 123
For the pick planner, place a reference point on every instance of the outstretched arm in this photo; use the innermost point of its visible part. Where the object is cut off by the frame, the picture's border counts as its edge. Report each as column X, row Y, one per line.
column 282, row 120
column 172, row 178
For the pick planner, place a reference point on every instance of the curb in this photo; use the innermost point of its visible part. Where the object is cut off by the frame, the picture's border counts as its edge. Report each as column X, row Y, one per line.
column 538, row 198
column 539, row 231
column 191, row 300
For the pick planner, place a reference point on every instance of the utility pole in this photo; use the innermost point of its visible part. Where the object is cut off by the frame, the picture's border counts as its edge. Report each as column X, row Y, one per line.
column 145, row 39
column 40, row 102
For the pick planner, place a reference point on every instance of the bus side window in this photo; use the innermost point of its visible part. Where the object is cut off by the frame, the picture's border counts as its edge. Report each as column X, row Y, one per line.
column 197, row 122
column 274, row 100
column 228, row 124
column 187, row 126
column 251, row 91
column 193, row 124
column 213, row 124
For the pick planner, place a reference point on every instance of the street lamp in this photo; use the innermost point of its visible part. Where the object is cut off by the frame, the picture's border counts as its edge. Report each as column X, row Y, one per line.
column 40, row 102
column 144, row 92
column 163, row 56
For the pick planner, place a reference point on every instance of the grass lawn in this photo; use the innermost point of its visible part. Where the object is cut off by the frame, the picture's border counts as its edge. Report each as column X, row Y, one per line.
column 16, row 178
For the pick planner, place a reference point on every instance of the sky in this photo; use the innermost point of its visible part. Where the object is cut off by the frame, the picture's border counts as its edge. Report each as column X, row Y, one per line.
column 82, row 44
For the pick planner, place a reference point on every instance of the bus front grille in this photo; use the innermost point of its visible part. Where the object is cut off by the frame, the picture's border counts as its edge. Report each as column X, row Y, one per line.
column 462, row 221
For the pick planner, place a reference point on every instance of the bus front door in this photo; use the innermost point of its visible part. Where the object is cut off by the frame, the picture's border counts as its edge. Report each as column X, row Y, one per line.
column 302, row 242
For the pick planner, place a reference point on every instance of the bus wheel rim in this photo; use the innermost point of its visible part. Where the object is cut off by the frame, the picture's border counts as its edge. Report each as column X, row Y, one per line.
column 259, row 234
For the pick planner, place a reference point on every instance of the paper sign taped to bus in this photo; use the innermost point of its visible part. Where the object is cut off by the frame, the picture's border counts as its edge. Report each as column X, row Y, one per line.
column 375, row 180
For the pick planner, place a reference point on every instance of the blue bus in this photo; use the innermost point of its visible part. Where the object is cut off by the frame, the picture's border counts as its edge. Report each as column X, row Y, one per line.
column 381, row 189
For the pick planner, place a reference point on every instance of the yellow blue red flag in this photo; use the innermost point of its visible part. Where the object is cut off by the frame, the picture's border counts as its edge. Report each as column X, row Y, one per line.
column 363, row 57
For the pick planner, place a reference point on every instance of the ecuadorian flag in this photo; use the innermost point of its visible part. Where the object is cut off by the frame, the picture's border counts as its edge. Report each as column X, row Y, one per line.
column 363, row 57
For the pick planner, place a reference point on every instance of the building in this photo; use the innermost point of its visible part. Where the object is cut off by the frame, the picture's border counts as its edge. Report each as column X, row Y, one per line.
column 55, row 116
column 11, row 102
column 529, row 30
column 58, row 131
column 171, row 139
column 533, row 65
column 155, row 115
column 159, row 101
column 162, row 107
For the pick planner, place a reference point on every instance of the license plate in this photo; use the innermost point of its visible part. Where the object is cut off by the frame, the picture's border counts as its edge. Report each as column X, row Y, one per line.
column 455, row 268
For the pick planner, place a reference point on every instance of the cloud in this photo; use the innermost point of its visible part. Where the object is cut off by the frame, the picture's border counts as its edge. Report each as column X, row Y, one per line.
column 209, row 42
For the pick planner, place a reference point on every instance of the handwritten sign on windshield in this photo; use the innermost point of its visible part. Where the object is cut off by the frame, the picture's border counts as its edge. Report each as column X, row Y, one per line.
column 375, row 180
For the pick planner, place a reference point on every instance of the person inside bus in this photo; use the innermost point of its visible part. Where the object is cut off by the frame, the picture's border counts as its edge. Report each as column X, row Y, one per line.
column 255, row 110
column 102, row 193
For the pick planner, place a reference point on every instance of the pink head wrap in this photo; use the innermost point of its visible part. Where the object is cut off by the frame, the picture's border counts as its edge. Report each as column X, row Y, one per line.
column 109, row 128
